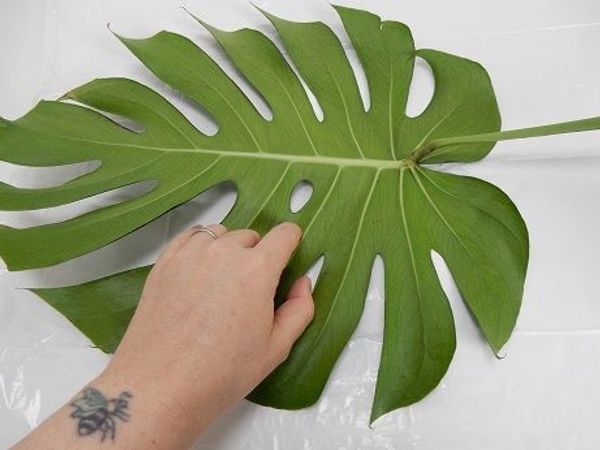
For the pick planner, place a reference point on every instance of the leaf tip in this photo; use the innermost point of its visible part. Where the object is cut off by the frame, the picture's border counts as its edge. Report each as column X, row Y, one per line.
column 500, row 357
column 333, row 5
column 211, row 29
column 337, row 7
column 376, row 414
column 257, row 7
column 115, row 34
column 191, row 14
column 271, row 17
column 498, row 344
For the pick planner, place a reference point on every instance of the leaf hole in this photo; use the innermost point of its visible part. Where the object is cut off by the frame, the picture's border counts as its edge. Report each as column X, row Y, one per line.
column 193, row 111
column 126, row 123
column 360, row 77
column 210, row 206
column 359, row 73
column 314, row 271
column 252, row 94
column 300, row 195
column 422, row 87
column 372, row 318
column 314, row 103
column 57, row 214
column 463, row 316
column 445, row 277
column 29, row 177
column 222, row 59
column 123, row 122
column 311, row 97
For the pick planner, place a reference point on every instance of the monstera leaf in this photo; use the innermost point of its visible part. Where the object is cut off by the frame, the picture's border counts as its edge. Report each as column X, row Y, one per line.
column 372, row 194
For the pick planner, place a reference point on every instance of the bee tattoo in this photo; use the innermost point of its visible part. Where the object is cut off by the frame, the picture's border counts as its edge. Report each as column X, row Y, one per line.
column 96, row 413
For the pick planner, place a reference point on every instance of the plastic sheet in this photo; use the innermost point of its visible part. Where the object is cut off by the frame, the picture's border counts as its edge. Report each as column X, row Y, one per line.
column 542, row 57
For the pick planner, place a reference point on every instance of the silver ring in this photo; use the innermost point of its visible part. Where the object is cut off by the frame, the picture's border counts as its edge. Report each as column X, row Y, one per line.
column 207, row 231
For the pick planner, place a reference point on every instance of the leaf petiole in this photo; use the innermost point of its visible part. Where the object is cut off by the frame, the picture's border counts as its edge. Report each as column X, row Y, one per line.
column 428, row 149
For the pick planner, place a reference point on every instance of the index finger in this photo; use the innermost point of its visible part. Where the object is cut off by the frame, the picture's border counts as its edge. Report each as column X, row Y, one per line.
column 280, row 243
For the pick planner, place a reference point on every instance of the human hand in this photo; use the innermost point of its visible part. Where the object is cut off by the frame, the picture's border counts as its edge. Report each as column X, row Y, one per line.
column 205, row 332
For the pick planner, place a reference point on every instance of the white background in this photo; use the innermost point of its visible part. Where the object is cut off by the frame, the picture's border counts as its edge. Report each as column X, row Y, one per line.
column 543, row 58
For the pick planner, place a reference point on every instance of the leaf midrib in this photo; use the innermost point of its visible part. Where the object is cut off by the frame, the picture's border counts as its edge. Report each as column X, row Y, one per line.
column 315, row 159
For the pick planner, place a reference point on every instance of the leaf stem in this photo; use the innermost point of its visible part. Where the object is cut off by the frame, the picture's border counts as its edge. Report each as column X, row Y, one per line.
column 429, row 148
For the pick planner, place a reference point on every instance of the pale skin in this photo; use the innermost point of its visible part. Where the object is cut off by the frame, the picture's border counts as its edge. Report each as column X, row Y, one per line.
column 204, row 335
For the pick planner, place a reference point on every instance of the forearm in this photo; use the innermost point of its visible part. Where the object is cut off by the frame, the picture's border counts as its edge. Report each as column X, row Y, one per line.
column 148, row 416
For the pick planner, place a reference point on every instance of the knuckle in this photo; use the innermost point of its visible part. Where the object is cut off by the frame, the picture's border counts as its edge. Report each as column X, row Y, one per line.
column 176, row 258
column 218, row 228
column 217, row 250
column 309, row 314
column 251, row 235
column 263, row 259
column 283, row 354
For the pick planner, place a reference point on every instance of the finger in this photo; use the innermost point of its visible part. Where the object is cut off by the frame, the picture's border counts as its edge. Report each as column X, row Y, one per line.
column 242, row 238
column 291, row 319
column 302, row 287
column 178, row 241
column 280, row 243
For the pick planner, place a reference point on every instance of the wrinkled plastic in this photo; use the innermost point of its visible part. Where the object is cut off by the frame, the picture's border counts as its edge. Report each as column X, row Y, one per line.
column 543, row 393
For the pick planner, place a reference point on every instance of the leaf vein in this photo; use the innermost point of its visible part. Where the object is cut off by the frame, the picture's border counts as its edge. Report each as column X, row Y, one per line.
column 461, row 200
column 262, row 206
column 390, row 123
column 312, row 144
column 439, row 213
column 414, row 268
column 241, row 119
column 347, row 114
column 350, row 259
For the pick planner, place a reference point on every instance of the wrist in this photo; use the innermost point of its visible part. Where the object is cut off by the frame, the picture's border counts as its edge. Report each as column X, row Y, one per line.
column 157, row 419
column 120, row 410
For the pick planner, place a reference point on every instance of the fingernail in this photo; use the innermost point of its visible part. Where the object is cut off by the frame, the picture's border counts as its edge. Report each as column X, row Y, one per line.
column 307, row 284
column 291, row 225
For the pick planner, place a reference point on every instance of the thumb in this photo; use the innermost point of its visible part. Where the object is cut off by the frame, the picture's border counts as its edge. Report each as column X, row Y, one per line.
column 291, row 319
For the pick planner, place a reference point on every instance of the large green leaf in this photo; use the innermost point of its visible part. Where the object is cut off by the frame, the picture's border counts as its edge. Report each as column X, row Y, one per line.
column 371, row 192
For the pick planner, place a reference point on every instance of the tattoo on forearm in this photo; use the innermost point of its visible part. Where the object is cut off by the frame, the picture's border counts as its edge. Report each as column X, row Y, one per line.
column 95, row 413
